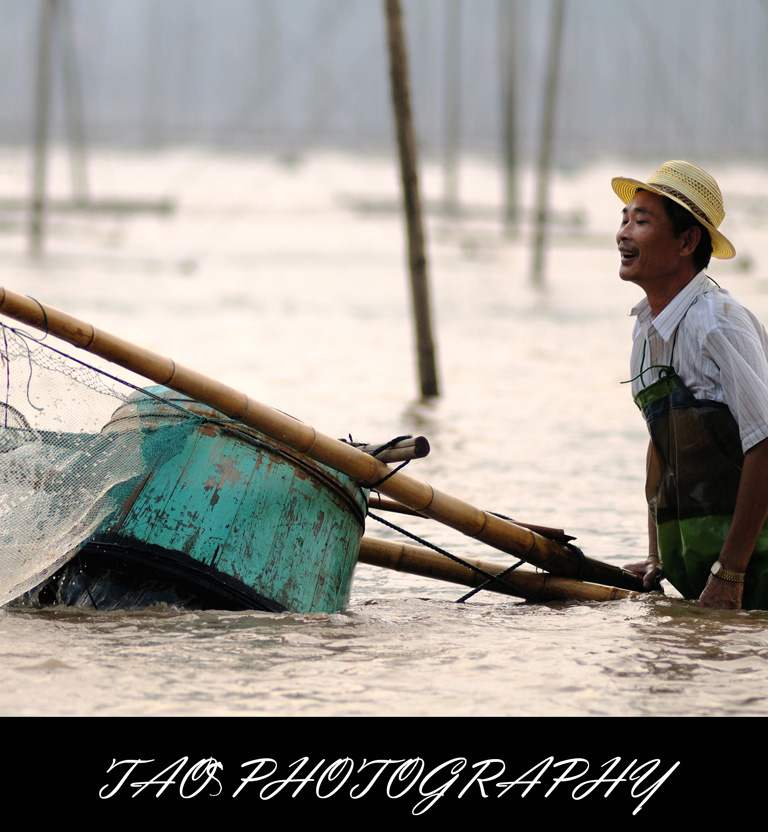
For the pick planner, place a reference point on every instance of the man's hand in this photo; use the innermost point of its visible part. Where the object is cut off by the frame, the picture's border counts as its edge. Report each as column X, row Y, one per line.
column 721, row 594
column 649, row 570
column 748, row 519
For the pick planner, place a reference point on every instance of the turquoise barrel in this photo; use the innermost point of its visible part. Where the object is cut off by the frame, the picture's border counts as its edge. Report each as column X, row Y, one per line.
column 240, row 504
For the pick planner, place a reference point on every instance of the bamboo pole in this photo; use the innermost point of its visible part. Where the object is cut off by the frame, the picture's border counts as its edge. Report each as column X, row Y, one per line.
column 534, row 586
column 341, row 456
column 417, row 257
column 378, row 502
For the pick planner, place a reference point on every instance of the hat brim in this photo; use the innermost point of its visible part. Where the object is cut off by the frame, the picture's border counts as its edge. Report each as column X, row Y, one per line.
column 627, row 188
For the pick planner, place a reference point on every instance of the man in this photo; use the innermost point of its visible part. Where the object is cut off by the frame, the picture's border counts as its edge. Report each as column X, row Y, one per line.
column 700, row 377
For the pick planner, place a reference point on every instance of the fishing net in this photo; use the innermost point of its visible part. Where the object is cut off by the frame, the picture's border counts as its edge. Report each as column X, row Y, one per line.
column 74, row 444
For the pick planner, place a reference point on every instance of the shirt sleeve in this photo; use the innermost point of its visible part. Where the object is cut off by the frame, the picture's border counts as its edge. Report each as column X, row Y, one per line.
column 739, row 351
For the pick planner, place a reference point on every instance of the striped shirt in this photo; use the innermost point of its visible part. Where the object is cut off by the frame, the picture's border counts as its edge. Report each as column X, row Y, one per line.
column 718, row 348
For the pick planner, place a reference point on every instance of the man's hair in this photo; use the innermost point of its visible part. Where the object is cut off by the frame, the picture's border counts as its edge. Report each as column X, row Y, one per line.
column 681, row 220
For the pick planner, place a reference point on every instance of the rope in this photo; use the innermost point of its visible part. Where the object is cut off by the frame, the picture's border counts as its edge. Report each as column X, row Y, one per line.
column 378, row 451
column 485, row 583
column 487, row 575
column 85, row 582
column 23, row 336
column 382, row 448
column 30, row 335
column 582, row 558
column 402, row 465
column 7, row 359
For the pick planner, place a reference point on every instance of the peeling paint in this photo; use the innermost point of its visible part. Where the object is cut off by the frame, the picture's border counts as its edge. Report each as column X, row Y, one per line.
column 285, row 528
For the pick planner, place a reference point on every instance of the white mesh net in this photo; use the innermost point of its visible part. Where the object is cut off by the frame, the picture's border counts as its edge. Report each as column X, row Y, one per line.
column 65, row 468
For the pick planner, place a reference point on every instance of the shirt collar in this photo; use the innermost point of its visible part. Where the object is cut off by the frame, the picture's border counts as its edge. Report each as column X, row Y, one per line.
column 667, row 321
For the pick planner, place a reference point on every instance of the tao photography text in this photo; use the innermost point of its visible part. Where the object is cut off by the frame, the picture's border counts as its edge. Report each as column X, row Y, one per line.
column 413, row 782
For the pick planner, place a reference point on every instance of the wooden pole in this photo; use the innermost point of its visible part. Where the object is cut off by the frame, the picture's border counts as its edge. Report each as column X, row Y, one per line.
column 154, row 114
column 507, row 58
column 73, row 108
column 534, row 586
column 417, row 258
column 546, row 140
column 452, row 104
column 488, row 528
column 411, row 448
column 42, row 114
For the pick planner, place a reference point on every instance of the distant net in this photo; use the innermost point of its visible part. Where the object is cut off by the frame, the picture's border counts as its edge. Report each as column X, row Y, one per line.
column 74, row 444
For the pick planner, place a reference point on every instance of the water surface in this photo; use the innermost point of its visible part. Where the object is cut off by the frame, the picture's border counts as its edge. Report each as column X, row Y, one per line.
column 271, row 280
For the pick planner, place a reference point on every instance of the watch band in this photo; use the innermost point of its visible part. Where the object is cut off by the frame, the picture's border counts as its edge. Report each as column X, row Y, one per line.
column 719, row 571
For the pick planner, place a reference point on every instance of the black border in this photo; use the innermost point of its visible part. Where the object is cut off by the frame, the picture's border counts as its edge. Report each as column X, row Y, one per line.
column 67, row 760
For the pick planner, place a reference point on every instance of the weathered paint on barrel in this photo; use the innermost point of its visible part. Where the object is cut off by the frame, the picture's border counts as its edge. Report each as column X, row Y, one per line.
column 230, row 498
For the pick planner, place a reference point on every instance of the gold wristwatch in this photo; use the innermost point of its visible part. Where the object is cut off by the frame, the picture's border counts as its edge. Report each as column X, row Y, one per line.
column 719, row 571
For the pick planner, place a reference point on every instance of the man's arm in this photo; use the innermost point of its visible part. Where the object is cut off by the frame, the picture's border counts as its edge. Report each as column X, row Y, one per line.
column 649, row 569
column 748, row 518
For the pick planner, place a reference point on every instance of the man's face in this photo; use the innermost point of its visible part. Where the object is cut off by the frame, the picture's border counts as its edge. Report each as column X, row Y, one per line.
column 650, row 252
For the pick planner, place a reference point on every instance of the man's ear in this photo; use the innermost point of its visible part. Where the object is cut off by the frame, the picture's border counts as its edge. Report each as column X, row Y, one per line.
column 689, row 239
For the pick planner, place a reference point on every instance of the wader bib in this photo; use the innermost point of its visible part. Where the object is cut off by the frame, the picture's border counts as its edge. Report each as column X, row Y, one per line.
column 692, row 481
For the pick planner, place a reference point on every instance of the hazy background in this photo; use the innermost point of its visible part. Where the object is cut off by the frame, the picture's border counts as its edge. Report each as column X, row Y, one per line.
column 649, row 78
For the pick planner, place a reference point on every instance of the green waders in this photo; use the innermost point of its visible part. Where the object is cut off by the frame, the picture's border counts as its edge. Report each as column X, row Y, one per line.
column 693, row 478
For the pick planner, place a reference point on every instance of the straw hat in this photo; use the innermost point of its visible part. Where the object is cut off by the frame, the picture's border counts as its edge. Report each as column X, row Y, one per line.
column 691, row 187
